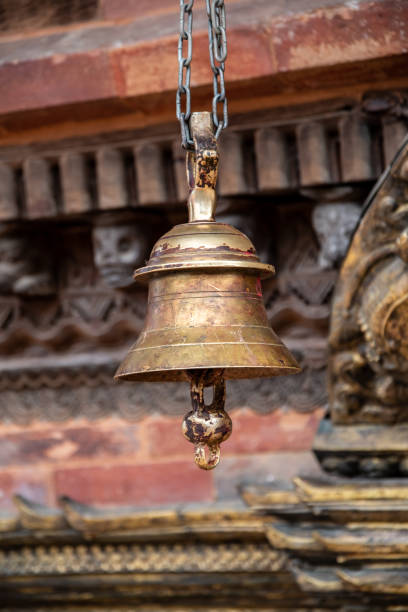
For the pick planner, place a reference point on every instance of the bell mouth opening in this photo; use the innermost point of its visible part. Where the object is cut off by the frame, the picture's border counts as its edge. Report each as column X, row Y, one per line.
column 230, row 373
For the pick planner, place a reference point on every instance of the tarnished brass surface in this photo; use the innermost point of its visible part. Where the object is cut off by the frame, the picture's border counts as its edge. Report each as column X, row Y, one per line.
column 203, row 246
column 306, row 545
column 207, row 425
column 368, row 366
column 205, row 307
column 202, row 169
column 368, row 340
column 206, row 320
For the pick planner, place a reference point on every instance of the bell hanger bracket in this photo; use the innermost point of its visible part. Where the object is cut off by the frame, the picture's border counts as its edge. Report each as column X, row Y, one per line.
column 202, row 169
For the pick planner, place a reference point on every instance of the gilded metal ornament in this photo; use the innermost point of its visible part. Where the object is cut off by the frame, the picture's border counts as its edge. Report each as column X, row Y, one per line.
column 306, row 545
column 368, row 384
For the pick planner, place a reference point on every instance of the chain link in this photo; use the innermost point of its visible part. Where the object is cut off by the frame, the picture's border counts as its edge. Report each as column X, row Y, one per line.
column 184, row 74
column 218, row 54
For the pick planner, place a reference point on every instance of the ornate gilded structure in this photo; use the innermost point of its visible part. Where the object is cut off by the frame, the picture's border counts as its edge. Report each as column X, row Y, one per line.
column 368, row 383
column 316, row 545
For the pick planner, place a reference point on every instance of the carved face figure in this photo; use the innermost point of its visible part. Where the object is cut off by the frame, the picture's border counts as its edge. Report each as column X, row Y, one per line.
column 23, row 269
column 118, row 250
column 334, row 225
column 13, row 261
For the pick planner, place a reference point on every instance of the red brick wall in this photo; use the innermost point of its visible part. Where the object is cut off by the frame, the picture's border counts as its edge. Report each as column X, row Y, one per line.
column 147, row 463
column 278, row 55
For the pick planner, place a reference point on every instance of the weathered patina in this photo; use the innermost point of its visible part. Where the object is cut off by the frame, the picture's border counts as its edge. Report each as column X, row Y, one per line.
column 368, row 372
column 205, row 307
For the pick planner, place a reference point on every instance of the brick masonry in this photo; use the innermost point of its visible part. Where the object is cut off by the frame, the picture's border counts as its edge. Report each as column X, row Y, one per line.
column 143, row 485
column 148, row 463
column 320, row 45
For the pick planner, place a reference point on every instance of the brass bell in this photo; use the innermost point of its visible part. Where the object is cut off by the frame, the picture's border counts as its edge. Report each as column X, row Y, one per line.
column 206, row 321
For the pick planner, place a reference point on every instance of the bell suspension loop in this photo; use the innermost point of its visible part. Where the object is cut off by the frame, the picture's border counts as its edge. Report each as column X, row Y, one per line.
column 202, row 168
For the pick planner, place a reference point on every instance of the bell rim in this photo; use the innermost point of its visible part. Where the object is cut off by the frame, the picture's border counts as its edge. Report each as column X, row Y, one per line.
column 238, row 360
column 264, row 271
column 261, row 372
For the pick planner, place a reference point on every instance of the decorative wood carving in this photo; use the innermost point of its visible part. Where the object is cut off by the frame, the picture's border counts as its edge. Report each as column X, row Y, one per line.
column 310, row 148
column 65, row 391
column 334, row 225
column 58, row 352
column 25, row 267
column 120, row 245
column 80, row 218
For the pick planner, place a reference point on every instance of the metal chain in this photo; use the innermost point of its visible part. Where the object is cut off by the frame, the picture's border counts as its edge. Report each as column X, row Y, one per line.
column 184, row 74
column 218, row 54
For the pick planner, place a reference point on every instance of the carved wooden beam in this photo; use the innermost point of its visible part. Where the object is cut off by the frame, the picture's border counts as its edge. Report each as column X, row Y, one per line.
column 301, row 148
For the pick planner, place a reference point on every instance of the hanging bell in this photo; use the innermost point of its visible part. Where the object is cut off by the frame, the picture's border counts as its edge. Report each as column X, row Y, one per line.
column 206, row 321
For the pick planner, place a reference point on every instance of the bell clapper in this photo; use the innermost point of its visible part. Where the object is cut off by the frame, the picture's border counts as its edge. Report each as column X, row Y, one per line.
column 207, row 426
